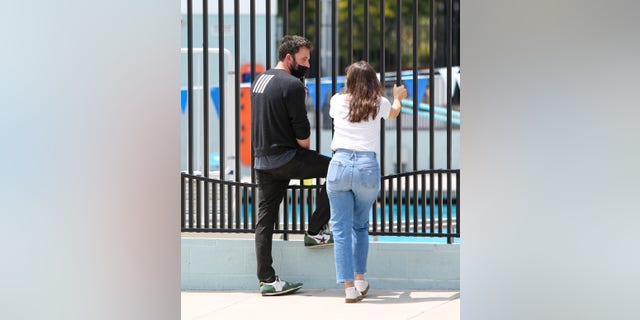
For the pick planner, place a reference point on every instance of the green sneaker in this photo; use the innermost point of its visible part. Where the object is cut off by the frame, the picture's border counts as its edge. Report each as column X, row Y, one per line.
column 278, row 287
column 320, row 240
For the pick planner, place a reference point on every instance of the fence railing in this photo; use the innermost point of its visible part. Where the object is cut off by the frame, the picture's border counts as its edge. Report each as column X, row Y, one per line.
column 422, row 203
column 420, row 190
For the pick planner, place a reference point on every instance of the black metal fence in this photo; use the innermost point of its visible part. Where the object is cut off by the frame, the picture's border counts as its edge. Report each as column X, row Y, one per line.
column 416, row 202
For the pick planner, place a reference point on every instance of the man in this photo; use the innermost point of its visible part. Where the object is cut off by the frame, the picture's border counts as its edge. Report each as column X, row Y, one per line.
column 280, row 137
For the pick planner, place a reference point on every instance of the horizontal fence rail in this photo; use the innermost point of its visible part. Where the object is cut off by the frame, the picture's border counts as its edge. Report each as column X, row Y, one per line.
column 423, row 203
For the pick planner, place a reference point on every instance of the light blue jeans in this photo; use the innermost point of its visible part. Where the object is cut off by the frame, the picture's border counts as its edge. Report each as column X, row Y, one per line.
column 353, row 182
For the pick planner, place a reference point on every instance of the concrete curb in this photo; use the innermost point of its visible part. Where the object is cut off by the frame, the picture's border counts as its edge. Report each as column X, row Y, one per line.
column 229, row 264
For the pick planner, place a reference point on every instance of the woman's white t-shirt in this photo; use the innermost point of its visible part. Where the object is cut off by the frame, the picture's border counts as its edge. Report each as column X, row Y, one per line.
column 358, row 136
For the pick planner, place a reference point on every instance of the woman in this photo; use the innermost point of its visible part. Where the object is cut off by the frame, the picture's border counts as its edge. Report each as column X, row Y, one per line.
column 353, row 178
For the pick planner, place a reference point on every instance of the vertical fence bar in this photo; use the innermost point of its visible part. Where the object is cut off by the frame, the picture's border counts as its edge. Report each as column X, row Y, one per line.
column 183, row 197
column 449, row 112
column 252, row 45
column 334, row 48
column 308, row 203
column 432, row 58
column 416, row 99
column 230, row 204
column 458, row 203
column 205, row 102
column 407, row 202
column 222, row 106
column 214, row 204
column 277, row 220
column 303, row 17
column 252, row 42
column 190, row 100
column 382, row 72
column 195, row 221
column 449, row 77
column 350, row 32
column 205, row 85
column 237, row 77
column 366, row 30
column 398, row 206
column 227, row 196
column 399, row 82
column 301, row 210
column 245, row 208
column 268, row 33
column 196, row 203
column 432, row 86
column 374, row 216
column 383, row 201
column 294, row 207
column 318, row 116
column 399, row 119
column 254, row 204
column 221, row 86
column 423, row 202
column 192, row 207
column 449, row 209
column 237, row 210
column 391, row 204
column 416, row 102
column 190, row 87
column 414, row 192
column 285, row 18
column 285, row 216
column 383, row 181
column 432, row 206
column 223, row 217
column 206, row 213
column 440, row 202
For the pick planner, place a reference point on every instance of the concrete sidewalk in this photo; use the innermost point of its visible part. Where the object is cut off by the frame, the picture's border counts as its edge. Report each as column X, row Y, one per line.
column 310, row 304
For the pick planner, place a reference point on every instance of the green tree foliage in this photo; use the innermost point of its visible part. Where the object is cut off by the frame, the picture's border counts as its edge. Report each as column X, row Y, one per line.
column 390, row 33
column 374, row 29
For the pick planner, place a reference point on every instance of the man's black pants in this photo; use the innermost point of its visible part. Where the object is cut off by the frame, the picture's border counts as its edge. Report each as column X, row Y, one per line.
column 272, row 186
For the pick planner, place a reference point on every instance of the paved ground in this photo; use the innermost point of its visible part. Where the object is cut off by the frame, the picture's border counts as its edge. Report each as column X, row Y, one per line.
column 310, row 304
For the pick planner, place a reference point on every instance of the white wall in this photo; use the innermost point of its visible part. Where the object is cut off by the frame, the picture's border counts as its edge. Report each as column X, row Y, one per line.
column 549, row 159
column 89, row 144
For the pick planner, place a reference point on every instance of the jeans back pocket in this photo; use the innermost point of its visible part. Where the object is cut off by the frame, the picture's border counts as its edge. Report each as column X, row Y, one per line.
column 370, row 176
column 336, row 170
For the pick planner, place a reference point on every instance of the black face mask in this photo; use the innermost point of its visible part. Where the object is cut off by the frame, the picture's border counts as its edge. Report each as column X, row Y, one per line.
column 299, row 71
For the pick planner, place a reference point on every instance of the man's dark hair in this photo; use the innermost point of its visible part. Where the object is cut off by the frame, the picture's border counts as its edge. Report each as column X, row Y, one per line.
column 291, row 45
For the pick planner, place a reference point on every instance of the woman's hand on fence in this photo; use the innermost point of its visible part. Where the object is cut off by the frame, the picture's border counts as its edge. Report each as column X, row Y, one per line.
column 399, row 92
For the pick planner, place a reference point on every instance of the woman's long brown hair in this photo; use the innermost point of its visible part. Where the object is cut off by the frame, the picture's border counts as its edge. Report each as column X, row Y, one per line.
column 365, row 90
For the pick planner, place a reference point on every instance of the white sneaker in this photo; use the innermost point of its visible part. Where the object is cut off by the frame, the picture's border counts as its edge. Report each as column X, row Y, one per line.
column 278, row 287
column 362, row 286
column 321, row 240
column 352, row 295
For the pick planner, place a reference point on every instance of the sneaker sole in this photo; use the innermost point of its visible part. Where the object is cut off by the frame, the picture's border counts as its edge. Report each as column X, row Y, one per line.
column 363, row 293
column 354, row 300
column 279, row 293
column 319, row 245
